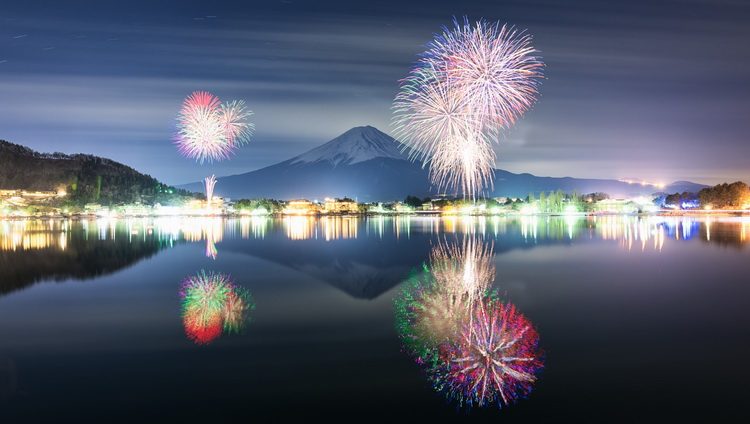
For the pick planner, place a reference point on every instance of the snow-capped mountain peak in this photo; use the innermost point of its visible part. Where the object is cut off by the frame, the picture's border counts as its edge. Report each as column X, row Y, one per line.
column 359, row 144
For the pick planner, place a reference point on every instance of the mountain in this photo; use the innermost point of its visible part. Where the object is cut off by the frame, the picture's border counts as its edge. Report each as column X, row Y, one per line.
column 369, row 165
column 363, row 163
column 85, row 178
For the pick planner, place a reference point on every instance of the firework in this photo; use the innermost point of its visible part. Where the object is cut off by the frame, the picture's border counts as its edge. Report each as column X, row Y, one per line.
column 464, row 270
column 211, row 250
column 235, row 117
column 472, row 82
column 434, row 302
column 436, row 122
column 212, row 231
column 494, row 359
column 236, row 309
column 211, row 303
column 210, row 183
column 208, row 130
column 474, row 348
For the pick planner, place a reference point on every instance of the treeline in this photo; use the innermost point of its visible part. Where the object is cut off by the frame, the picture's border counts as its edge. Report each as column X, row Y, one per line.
column 85, row 178
column 270, row 205
column 545, row 202
column 105, row 184
column 722, row 196
column 726, row 196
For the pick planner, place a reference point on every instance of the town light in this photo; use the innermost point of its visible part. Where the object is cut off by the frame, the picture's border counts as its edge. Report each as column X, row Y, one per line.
column 571, row 210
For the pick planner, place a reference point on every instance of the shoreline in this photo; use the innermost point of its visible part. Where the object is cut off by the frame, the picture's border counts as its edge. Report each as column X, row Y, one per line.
column 667, row 213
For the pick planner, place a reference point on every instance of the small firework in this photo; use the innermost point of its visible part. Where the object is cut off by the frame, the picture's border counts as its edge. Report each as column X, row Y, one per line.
column 208, row 130
column 472, row 82
column 494, row 359
column 212, row 303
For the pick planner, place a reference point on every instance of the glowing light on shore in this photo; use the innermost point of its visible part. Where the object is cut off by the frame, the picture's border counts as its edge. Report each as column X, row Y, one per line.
column 212, row 304
column 208, row 130
column 471, row 83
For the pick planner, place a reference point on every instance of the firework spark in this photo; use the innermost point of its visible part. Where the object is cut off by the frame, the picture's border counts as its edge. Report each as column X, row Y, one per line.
column 212, row 303
column 210, row 183
column 494, row 359
column 208, row 130
column 472, row 82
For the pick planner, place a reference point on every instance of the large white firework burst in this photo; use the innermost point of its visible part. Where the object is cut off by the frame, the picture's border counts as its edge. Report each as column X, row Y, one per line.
column 471, row 83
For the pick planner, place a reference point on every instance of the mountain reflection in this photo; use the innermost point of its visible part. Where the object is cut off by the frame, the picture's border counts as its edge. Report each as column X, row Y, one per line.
column 475, row 348
column 211, row 305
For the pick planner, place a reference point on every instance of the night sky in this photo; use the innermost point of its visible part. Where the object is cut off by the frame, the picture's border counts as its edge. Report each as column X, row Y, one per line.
column 658, row 90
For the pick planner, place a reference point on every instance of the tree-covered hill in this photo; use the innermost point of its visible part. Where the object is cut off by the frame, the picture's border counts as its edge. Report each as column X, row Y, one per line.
column 86, row 178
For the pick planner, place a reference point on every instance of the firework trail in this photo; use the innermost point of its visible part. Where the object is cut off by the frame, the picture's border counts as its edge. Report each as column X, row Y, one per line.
column 494, row 359
column 208, row 130
column 212, row 303
column 212, row 231
column 211, row 250
column 472, row 82
column 210, row 183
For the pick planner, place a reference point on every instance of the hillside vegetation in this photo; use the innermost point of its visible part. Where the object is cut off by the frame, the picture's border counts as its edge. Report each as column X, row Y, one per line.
column 85, row 178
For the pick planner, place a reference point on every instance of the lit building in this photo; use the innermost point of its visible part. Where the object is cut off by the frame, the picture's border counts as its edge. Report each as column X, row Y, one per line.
column 300, row 207
column 340, row 206
column 616, row 206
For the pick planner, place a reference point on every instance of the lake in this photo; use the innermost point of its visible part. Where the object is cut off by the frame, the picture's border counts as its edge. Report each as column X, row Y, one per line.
column 618, row 318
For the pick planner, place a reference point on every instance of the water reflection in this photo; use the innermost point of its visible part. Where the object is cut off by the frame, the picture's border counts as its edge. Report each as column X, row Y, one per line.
column 475, row 348
column 8, row 378
column 31, row 235
column 338, row 250
column 630, row 231
column 213, row 304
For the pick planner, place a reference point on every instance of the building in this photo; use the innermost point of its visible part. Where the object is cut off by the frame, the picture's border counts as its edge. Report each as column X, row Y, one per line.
column 300, row 207
column 340, row 206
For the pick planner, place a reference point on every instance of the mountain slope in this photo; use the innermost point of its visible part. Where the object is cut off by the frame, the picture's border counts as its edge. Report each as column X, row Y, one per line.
column 369, row 165
column 363, row 163
column 357, row 145
column 86, row 178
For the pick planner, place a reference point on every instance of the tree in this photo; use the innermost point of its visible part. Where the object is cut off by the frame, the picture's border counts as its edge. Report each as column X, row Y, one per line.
column 413, row 201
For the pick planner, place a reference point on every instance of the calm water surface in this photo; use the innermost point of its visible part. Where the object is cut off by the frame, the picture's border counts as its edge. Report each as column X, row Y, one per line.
column 638, row 319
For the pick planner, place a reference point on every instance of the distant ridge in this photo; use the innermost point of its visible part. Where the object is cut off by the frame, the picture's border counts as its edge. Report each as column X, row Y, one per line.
column 367, row 164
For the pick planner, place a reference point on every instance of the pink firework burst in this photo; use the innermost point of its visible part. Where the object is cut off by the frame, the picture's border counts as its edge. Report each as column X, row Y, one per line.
column 494, row 359
column 208, row 130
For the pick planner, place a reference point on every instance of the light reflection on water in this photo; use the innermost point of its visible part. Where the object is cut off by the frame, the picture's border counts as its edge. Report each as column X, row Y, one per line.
column 310, row 277
column 630, row 232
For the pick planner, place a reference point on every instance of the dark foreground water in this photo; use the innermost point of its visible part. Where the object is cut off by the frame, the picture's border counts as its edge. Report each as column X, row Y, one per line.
column 637, row 319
